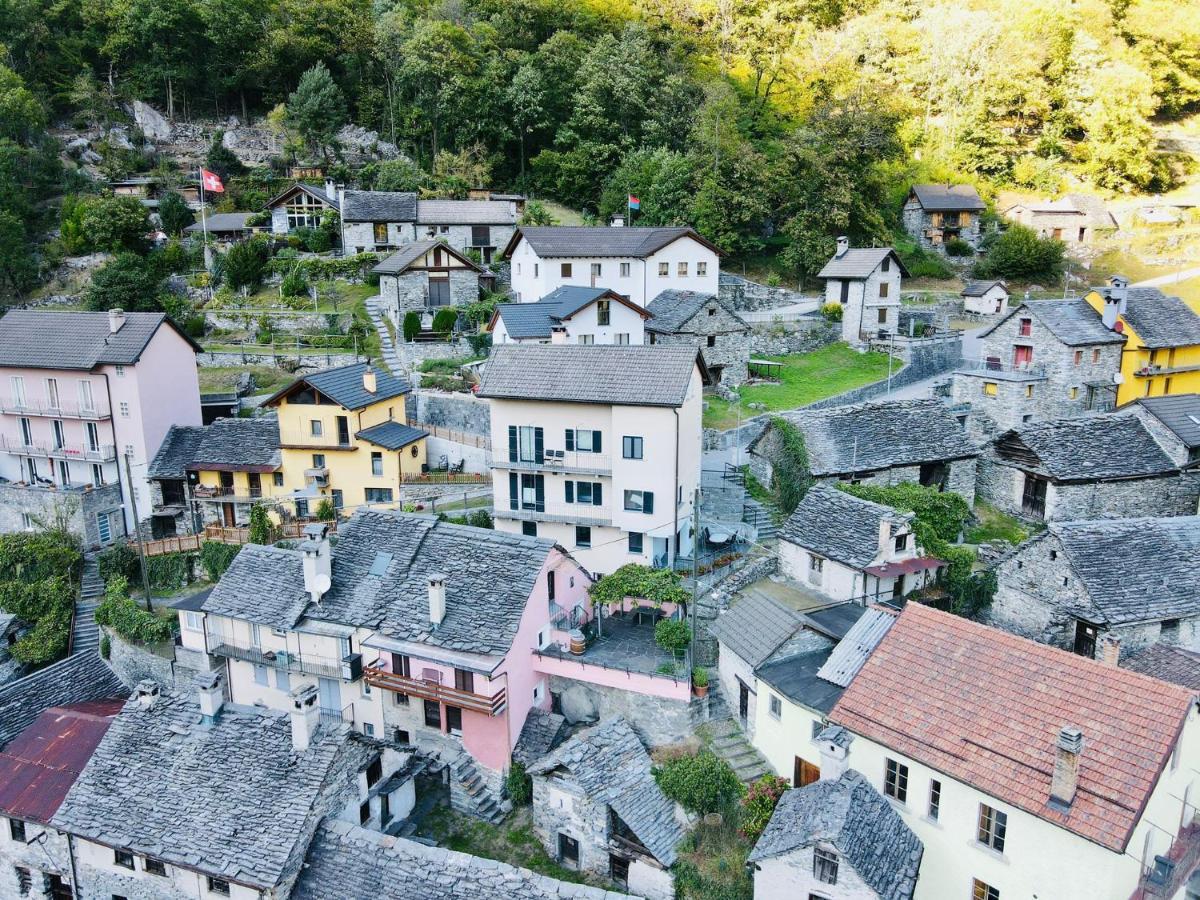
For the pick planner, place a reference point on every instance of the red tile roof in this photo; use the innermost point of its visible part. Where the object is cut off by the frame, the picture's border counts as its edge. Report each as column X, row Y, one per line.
column 985, row 707
column 40, row 765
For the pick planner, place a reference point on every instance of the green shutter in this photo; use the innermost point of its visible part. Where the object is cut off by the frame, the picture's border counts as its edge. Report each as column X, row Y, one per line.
column 647, row 501
column 539, row 452
column 512, row 443
column 597, row 492
column 513, row 490
column 570, row 488
column 570, row 441
column 595, row 442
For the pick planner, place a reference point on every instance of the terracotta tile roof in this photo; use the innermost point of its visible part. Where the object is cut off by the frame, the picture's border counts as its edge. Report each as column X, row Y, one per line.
column 985, row 707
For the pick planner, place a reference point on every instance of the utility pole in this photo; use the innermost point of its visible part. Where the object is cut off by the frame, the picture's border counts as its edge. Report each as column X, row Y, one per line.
column 137, row 530
column 695, row 567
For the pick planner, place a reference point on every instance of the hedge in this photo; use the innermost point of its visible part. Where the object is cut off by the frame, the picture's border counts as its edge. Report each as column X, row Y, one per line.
column 217, row 557
column 33, row 556
column 120, row 613
column 46, row 604
column 791, row 476
column 701, row 784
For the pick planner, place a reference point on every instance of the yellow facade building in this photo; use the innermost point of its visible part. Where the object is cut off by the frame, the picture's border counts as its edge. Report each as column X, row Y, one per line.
column 344, row 437
column 1161, row 356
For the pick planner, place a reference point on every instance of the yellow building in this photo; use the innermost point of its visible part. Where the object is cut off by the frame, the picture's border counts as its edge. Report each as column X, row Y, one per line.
column 1162, row 348
column 344, row 436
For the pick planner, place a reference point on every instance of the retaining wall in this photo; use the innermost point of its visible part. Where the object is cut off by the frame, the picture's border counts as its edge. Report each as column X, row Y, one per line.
column 462, row 412
column 741, row 293
column 288, row 361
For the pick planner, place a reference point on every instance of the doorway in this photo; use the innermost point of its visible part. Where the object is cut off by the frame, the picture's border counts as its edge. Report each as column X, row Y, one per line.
column 228, row 515
column 568, row 851
column 743, row 701
column 805, row 773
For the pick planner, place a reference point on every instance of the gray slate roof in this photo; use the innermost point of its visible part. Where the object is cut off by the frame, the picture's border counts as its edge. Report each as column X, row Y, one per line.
column 879, row 435
column 979, row 288
column 1180, row 413
column 1073, row 322
column 860, row 262
column 755, row 626
column 1136, row 570
column 398, row 262
column 239, row 443
column 40, row 339
column 856, row 819
column 232, row 221
column 797, row 678
column 263, row 584
column 176, row 452
column 391, row 435
column 1089, row 448
column 344, row 385
column 76, row 679
column 535, row 320
column 612, row 766
column 232, row 799
column 541, row 733
column 628, row 375
column 379, row 206
column 1167, row 663
column 838, row 525
column 346, row 861
column 637, row 242
column 1159, row 320
column 465, row 212
column 674, row 309
column 947, row 197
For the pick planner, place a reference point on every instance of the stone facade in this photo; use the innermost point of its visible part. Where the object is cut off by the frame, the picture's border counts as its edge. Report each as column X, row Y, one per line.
column 409, row 291
column 960, row 478
column 411, row 355
column 295, row 362
column 743, row 294
column 803, row 336
column 80, row 508
column 461, row 412
column 461, row 238
column 135, row 662
column 723, row 339
column 284, row 320
column 658, row 721
column 44, row 855
column 932, row 229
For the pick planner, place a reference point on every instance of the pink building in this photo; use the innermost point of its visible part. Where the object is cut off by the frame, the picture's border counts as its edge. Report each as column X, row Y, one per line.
column 82, row 394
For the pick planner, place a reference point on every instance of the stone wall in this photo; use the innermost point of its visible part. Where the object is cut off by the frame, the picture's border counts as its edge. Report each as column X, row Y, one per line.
column 658, row 721
column 411, row 355
column 462, row 412
column 741, row 293
column 808, row 334
column 287, row 320
column 44, row 505
column 917, row 221
column 134, row 662
column 292, row 361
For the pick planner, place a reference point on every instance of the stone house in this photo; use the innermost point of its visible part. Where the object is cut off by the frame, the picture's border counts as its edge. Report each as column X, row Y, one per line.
column 866, row 282
column 935, row 214
column 423, row 276
column 598, row 809
column 171, row 509
column 1073, row 219
column 480, row 225
column 985, row 298
column 1175, row 423
column 708, row 323
column 847, row 548
column 377, row 221
column 224, row 228
column 571, row 315
column 837, row 838
column 302, row 206
column 1087, row 468
column 1080, row 583
column 1046, row 359
column 880, row 442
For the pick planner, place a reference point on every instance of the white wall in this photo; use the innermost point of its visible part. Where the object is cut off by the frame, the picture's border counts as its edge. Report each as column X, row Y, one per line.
column 791, row 876
column 731, row 669
column 781, row 740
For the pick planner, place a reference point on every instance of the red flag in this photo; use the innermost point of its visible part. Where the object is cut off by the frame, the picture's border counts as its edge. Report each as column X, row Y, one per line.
column 211, row 182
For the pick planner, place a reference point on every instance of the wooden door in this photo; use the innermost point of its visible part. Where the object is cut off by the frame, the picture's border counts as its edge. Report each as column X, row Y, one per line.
column 805, row 773
column 227, row 515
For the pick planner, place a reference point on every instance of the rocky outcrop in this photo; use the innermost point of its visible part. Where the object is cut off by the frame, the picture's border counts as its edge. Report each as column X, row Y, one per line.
column 154, row 125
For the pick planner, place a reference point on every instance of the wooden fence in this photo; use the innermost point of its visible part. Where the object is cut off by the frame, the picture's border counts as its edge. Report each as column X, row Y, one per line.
column 222, row 534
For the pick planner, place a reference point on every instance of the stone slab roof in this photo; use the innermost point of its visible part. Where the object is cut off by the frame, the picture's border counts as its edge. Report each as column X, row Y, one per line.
column 379, row 206
column 231, row 799
column 1073, row 322
column 399, row 262
column 541, row 733
column 177, row 451
column 77, row 679
column 635, row 241
column 979, row 288
column 856, row 819
column 263, row 584
column 347, row 861
column 1167, row 663
column 41, row 339
column 344, row 385
column 674, row 309
column 859, row 262
column 1136, row 570
column 248, row 444
column 985, row 707
column 947, row 197
column 465, row 212
column 1159, row 320
column 612, row 766
column 1178, row 412
column 755, row 627
column 630, row 375
column 391, row 435
column 880, row 435
column 845, row 528
column 231, row 221
column 1087, row 448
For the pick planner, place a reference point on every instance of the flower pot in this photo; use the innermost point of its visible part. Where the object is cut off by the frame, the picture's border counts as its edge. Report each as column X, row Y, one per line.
column 700, row 690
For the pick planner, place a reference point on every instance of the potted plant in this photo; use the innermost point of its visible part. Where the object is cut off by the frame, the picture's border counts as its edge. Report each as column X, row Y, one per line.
column 700, row 682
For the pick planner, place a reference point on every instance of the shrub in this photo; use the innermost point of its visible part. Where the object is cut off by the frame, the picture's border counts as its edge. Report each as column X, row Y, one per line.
column 1019, row 253
column 444, row 319
column 119, row 612
column 759, row 804
column 38, row 555
column 245, row 264
column 672, row 635
column 325, row 510
column 959, row 247
column 47, row 605
column 216, row 558
column 480, row 343
column 127, row 281
column 791, row 477
column 119, row 560
column 832, row 312
column 518, row 785
column 702, row 783
column 294, row 284
column 261, row 529
column 412, row 324
column 700, row 677
column 105, row 646
column 481, row 518
column 168, row 572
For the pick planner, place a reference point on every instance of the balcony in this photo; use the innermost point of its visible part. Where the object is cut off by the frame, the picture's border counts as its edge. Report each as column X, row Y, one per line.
column 1152, row 371
column 431, row 688
column 101, row 453
column 61, row 410
column 567, row 461
column 336, row 717
column 568, row 513
column 299, row 439
column 224, row 494
column 348, row 669
column 995, row 369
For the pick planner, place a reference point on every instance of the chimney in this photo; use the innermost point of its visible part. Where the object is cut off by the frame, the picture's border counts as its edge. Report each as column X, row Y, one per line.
column 210, row 694
column 369, row 384
column 437, row 599
column 1118, row 287
column 617, row 221
column 1065, row 779
column 1110, row 649
column 843, row 244
column 834, row 743
column 146, row 693
column 318, row 568
column 558, row 335
column 304, row 714
column 331, row 190
column 116, row 318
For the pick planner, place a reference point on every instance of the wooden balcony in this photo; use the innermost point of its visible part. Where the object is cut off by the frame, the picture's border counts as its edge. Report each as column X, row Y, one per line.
column 426, row 689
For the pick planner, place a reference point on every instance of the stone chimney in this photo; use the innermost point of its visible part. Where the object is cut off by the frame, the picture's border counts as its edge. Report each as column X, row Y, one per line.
column 331, row 189
column 834, row 743
column 437, row 599
column 317, row 565
column 210, row 694
column 1065, row 779
column 369, row 383
column 146, row 693
column 1109, row 650
column 116, row 319
column 304, row 714
column 843, row 244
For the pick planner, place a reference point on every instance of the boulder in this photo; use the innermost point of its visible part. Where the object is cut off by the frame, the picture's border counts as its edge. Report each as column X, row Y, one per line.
column 119, row 137
column 77, row 146
column 90, row 158
column 366, row 143
column 154, row 124
column 578, row 706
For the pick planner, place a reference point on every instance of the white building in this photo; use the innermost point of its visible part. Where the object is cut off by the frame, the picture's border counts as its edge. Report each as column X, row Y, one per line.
column 634, row 261
column 571, row 315
column 985, row 298
column 866, row 282
column 597, row 448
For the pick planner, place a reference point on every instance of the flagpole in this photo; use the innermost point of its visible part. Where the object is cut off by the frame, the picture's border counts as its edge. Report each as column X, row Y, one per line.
column 204, row 226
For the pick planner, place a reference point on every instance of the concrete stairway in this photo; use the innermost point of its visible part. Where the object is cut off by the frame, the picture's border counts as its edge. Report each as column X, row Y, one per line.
column 86, row 638
column 375, row 310
column 469, row 793
column 729, row 743
column 763, row 515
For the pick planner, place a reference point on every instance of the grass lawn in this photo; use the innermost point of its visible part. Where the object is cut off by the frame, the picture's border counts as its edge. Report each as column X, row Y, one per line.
column 806, row 378
column 351, row 297
column 563, row 214
column 995, row 525
column 267, row 379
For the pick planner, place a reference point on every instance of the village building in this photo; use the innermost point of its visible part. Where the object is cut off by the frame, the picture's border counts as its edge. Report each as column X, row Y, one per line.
column 1079, row 584
column 836, row 839
column 866, row 283
column 1046, row 359
column 598, row 809
column 985, row 298
column 482, row 226
column 1073, row 219
column 1166, row 662
column 1161, row 356
column 1023, row 769
column 1086, row 468
column 424, row 276
column 637, row 262
column 878, row 442
column 571, row 315
column 1175, row 423
column 78, row 679
column 936, row 214
column 377, row 221
column 598, row 448
column 344, row 437
column 87, row 398
column 848, row 548
column 224, row 228
column 302, row 206
column 709, row 324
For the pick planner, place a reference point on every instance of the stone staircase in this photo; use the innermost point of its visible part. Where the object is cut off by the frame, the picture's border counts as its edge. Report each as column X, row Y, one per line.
column 375, row 310
column 728, row 741
column 765, row 516
column 85, row 637
column 470, row 793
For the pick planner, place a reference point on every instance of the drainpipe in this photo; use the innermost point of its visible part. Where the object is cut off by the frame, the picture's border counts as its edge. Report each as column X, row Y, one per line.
column 112, row 428
column 675, row 491
column 71, row 865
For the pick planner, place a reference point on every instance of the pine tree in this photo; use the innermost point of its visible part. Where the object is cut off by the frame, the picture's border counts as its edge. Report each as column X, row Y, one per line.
column 317, row 109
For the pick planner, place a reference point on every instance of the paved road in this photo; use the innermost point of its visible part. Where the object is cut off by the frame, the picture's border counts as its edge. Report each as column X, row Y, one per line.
column 1162, row 280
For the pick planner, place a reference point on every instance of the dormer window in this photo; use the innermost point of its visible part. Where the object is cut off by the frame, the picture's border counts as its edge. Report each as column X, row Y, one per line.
column 901, row 543
column 887, row 264
column 603, row 312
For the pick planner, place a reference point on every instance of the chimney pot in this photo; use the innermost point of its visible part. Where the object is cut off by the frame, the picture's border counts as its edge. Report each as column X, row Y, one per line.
column 437, row 598
column 317, row 565
column 843, row 244
column 210, row 694
column 369, row 383
column 116, row 319
column 1110, row 649
column 147, row 693
column 1065, row 779
column 304, row 714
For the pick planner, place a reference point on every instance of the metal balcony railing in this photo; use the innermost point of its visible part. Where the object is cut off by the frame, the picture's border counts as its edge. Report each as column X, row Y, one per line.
column 560, row 461
column 569, row 513
column 994, row 367
column 291, row 661
column 101, row 453
column 61, row 410
column 379, row 676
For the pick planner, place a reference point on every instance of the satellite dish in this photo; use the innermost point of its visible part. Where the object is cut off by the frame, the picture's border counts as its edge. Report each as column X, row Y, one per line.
column 1118, row 378
column 321, row 582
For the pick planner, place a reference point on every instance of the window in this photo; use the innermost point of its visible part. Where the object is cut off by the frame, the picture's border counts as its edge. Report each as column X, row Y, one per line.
column 711, row 340
column 596, row 270
column 376, row 464
column 24, row 880
column 529, row 529
column 621, row 338
column 639, row 501
column 464, row 681
column 901, row 542
column 156, row 867
column 981, row 891
column 935, row 798
column 618, row 869
column 775, row 707
column 664, row 269
column 631, row 447
column 682, row 269
column 583, row 440
column 583, row 536
column 277, row 479
column 193, row 621
column 990, row 389
column 815, row 563
column 283, row 681
column 453, row 719
column 1073, row 394
column 636, row 542
column 400, row 736
column 1169, row 630
column 624, row 270
column 565, row 270
column 52, row 393
column 895, row 780
column 260, row 675
column 587, row 339
column 883, row 289
column 1078, row 357
column 433, row 714
column 16, row 830
column 992, row 827
column 123, row 858
column 587, row 492
column 525, row 444
column 1096, row 355
column 881, row 316
column 701, row 269
column 316, row 428
column 825, row 866
column 603, row 309
column 1025, row 327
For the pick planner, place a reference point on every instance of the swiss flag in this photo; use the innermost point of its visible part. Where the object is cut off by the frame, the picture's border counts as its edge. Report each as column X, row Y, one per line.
column 211, row 182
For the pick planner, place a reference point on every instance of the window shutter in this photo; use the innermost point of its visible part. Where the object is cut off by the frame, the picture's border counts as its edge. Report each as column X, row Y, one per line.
column 595, row 442
column 539, row 489
column 538, row 446
column 570, row 488
column 513, row 488
column 512, row 443
column 647, row 501
column 570, row 439
column 597, row 492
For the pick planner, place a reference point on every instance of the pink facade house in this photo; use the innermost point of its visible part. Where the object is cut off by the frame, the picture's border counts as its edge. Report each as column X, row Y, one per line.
column 81, row 393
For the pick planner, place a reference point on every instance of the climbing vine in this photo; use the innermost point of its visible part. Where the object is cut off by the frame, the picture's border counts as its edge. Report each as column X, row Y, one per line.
column 791, row 477
column 658, row 586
